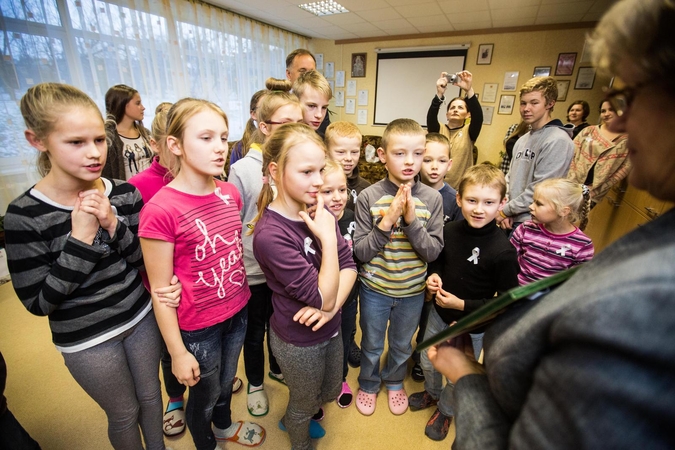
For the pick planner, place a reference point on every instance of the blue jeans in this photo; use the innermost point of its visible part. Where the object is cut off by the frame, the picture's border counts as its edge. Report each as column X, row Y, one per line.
column 402, row 314
column 433, row 380
column 216, row 349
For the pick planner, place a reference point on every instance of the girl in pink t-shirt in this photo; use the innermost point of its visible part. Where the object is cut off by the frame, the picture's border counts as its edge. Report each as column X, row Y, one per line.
column 191, row 227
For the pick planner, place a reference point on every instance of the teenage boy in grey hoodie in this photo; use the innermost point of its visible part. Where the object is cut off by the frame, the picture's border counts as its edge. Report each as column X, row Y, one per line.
column 544, row 152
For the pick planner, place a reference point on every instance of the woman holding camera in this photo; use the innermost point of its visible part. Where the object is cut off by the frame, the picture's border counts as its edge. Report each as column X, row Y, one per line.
column 462, row 136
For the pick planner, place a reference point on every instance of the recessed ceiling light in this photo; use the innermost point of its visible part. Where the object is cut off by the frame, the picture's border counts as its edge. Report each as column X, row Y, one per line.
column 324, row 8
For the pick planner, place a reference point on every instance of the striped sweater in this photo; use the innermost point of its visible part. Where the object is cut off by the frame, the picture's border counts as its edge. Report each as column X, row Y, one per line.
column 542, row 253
column 395, row 262
column 91, row 293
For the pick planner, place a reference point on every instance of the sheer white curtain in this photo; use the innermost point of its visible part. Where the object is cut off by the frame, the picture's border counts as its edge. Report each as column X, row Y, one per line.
column 165, row 49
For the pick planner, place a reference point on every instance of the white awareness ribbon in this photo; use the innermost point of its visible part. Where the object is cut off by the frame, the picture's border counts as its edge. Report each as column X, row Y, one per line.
column 475, row 253
column 308, row 248
column 563, row 250
column 226, row 198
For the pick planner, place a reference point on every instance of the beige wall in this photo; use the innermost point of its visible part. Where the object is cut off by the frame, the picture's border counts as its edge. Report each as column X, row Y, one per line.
column 515, row 51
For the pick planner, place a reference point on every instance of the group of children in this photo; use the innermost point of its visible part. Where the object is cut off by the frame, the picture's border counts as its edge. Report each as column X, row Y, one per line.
column 276, row 249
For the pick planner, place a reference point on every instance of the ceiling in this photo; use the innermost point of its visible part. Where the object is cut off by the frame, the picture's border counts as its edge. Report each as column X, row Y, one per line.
column 384, row 18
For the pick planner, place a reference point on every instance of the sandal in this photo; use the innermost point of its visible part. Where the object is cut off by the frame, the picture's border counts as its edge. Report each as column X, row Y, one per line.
column 398, row 401
column 174, row 420
column 248, row 434
column 278, row 377
column 237, row 384
column 346, row 397
column 257, row 402
column 365, row 403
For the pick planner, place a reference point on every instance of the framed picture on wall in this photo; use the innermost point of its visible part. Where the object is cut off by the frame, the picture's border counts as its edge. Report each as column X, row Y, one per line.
column 542, row 71
column 565, row 65
column 585, row 78
column 506, row 103
column 485, row 53
column 563, row 87
column 358, row 65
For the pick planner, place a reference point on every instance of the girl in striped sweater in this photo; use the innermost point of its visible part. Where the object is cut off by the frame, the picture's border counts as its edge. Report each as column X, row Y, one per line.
column 551, row 242
column 75, row 257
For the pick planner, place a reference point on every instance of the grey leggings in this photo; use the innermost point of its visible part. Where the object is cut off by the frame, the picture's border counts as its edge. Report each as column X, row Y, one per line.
column 122, row 376
column 314, row 377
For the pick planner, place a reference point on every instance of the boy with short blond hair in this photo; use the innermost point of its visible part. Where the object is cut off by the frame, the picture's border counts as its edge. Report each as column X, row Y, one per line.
column 343, row 140
column 544, row 152
column 399, row 223
column 477, row 261
column 314, row 93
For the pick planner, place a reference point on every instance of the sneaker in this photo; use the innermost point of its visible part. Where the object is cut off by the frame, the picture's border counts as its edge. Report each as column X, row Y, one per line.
column 278, row 377
column 438, row 426
column 417, row 373
column 174, row 421
column 346, row 396
column 237, row 384
column 354, row 356
column 421, row 400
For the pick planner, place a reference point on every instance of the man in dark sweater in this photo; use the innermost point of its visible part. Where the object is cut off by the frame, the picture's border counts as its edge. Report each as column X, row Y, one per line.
column 477, row 261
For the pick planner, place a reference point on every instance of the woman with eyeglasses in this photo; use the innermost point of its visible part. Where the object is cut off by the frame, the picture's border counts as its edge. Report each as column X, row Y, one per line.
column 592, row 364
column 600, row 156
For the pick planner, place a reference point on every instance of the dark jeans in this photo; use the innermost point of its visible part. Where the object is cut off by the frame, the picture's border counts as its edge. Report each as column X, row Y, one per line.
column 259, row 313
column 423, row 326
column 348, row 330
column 216, row 349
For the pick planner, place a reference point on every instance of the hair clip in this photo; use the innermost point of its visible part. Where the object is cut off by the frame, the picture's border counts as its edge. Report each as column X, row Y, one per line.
column 265, row 180
column 584, row 190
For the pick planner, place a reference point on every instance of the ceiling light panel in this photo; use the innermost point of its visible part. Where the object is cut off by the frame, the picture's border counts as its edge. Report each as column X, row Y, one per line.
column 324, row 8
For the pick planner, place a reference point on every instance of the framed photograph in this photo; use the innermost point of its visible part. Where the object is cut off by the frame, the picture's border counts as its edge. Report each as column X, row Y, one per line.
column 358, row 65
column 490, row 92
column 563, row 87
column 542, row 71
column 565, row 65
column 488, row 112
column 510, row 81
column 585, row 78
column 485, row 54
column 506, row 103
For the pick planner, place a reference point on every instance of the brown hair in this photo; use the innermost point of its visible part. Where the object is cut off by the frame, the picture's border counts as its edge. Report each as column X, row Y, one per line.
column 116, row 100
column 441, row 139
column 276, row 95
column 484, row 174
column 176, row 123
column 250, row 129
column 400, row 126
column 297, row 52
column 312, row 79
column 44, row 104
column 546, row 85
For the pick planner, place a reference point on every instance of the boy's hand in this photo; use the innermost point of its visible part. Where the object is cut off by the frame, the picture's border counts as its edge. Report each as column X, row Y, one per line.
column 98, row 205
column 434, row 283
column 445, row 299
column 395, row 210
column 170, row 295
column 409, row 210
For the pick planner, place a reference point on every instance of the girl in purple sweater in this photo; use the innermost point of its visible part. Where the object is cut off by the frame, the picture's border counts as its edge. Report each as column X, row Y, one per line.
column 309, row 268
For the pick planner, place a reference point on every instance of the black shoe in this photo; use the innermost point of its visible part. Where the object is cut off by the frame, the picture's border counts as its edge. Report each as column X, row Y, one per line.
column 319, row 415
column 354, row 356
column 417, row 373
column 438, row 426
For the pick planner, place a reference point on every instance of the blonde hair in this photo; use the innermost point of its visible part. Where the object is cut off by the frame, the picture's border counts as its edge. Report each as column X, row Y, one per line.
column 312, row 79
column 158, row 131
column 333, row 166
column 563, row 193
column 341, row 129
column 441, row 139
column 176, row 123
column 638, row 31
column 400, row 126
column 44, row 104
column 484, row 174
column 546, row 85
column 275, row 96
column 163, row 107
column 276, row 150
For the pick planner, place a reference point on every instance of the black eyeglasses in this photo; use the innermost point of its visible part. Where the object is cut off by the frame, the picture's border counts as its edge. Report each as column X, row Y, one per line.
column 621, row 99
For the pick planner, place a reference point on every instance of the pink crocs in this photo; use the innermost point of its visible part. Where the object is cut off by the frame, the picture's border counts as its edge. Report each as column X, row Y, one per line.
column 398, row 401
column 365, row 403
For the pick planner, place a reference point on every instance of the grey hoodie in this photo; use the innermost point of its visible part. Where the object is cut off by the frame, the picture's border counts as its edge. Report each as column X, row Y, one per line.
column 537, row 156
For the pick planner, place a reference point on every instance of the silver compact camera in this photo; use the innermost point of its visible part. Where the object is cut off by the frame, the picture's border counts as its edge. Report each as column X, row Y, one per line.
column 451, row 77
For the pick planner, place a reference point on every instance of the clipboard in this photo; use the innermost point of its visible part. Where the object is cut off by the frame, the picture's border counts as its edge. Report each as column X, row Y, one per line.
column 489, row 311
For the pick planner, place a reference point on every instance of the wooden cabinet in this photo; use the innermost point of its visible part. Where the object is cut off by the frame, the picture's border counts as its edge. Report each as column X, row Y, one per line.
column 621, row 211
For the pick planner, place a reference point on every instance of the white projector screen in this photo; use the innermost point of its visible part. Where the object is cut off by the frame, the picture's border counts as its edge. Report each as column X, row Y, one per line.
column 406, row 83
